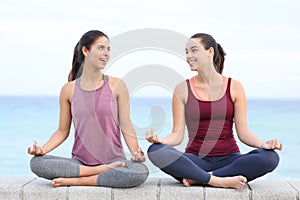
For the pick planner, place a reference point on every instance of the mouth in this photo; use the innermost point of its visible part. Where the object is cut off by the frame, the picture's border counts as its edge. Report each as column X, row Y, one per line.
column 103, row 60
column 191, row 62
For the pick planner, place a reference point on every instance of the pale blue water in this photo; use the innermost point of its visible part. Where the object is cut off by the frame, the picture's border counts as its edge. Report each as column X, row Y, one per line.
column 23, row 119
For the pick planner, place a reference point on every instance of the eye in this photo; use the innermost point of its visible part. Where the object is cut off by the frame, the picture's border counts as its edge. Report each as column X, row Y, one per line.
column 101, row 47
column 194, row 50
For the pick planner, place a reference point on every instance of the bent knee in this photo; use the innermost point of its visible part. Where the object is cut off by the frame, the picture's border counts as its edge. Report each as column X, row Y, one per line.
column 271, row 159
column 140, row 168
column 140, row 178
column 36, row 165
column 274, row 159
column 155, row 147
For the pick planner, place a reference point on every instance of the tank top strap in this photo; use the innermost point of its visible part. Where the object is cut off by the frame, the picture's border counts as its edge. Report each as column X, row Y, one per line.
column 228, row 86
column 77, row 81
column 105, row 78
column 189, row 87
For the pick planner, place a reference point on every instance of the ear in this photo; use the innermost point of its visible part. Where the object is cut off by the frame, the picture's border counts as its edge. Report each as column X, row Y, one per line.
column 85, row 51
column 211, row 51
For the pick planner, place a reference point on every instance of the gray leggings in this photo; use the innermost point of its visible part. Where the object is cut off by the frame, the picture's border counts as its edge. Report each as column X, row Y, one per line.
column 50, row 167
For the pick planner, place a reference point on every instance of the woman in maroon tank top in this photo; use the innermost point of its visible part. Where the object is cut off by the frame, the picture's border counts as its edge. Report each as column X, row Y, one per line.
column 208, row 104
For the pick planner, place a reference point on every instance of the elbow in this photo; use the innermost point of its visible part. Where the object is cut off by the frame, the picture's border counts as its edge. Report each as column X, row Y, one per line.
column 177, row 141
column 64, row 133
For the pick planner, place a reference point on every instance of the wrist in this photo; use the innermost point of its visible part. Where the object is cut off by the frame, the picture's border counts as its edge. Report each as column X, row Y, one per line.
column 43, row 150
column 161, row 141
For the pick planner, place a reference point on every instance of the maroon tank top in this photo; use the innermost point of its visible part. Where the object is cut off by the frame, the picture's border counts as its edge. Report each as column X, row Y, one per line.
column 209, row 125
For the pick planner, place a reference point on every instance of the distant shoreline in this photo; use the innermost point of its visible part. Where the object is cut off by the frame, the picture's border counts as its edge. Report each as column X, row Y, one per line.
column 150, row 97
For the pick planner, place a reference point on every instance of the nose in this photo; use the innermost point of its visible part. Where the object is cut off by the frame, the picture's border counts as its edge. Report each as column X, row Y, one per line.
column 106, row 52
column 188, row 55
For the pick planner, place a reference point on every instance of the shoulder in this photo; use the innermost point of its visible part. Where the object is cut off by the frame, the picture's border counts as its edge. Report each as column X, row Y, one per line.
column 236, row 85
column 115, row 81
column 236, row 90
column 181, row 91
column 67, row 90
column 181, row 87
column 117, row 85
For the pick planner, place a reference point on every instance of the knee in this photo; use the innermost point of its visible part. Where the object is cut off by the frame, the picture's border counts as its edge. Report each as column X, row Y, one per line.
column 154, row 150
column 138, row 176
column 143, row 174
column 135, row 174
column 139, row 168
column 36, row 165
column 274, row 159
column 271, row 159
column 155, row 147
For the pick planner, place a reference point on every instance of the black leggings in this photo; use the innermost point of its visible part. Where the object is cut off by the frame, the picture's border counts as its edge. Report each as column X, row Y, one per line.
column 186, row 165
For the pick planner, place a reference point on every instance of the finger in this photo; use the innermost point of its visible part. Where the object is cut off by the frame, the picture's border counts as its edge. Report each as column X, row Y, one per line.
column 270, row 144
column 152, row 132
column 42, row 150
column 29, row 150
column 38, row 151
column 34, row 147
column 276, row 143
column 149, row 136
column 156, row 139
column 141, row 151
column 142, row 159
column 133, row 158
column 279, row 147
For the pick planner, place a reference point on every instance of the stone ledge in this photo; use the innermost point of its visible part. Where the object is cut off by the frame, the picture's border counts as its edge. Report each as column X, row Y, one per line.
column 19, row 187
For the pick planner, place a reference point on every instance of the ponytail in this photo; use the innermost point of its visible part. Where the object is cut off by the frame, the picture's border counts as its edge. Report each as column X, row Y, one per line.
column 77, row 61
column 219, row 59
column 219, row 54
column 78, row 58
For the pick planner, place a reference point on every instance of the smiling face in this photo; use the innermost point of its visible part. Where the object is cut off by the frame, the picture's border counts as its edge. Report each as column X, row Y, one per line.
column 98, row 55
column 197, row 56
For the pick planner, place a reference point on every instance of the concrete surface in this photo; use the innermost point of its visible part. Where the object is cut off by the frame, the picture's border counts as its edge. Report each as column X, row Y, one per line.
column 18, row 187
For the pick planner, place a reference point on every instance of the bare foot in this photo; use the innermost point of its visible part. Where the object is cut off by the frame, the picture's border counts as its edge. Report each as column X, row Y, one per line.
column 114, row 165
column 88, row 175
column 94, row 170
column 188, row 182
column 236, row 182
column 81, row 181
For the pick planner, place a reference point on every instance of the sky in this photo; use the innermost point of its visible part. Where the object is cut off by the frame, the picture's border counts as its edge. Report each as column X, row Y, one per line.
column 261, row 39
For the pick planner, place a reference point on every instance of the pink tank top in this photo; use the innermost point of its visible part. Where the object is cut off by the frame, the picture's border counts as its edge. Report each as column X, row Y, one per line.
column 96, row 123
column 209, row 125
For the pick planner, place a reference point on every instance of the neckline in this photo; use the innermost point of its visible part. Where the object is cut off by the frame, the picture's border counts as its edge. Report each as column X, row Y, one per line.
column 196, row 95
column 105, row 79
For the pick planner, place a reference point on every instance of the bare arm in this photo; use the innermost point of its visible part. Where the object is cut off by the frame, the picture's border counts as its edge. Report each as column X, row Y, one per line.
column 243, row 132
column 178, row 109
column 61, row 134
column 127, row 129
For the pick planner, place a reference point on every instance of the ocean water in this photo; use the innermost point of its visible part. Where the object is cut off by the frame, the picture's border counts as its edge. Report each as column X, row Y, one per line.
column 24, row 119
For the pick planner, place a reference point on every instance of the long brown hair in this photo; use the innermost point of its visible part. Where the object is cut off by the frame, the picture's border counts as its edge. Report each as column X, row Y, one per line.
column 219, row 54
column 85, row 41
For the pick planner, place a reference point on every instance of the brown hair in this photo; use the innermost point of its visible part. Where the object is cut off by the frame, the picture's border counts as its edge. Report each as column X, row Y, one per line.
column 219, row 54
column 85, row 41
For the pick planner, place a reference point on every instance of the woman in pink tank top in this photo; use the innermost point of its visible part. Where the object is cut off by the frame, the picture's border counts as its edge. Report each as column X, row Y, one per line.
column 208, row 104
column 98, row 105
